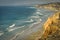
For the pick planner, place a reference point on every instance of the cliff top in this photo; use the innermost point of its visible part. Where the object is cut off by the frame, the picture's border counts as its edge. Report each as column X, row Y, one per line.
column 50, row 6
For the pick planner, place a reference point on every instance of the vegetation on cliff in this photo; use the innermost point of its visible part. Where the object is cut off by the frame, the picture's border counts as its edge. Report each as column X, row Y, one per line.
column 50, row 6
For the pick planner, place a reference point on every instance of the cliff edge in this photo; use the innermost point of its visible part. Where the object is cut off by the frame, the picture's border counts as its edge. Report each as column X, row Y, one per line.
column 52, row 28
column 50, row 6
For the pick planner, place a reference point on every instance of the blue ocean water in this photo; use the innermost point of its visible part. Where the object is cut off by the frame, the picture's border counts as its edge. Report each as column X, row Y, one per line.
column 18, row 19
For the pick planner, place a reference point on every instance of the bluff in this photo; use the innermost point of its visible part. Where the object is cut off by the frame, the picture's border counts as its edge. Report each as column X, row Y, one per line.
column 52, row 28
column 50, row 6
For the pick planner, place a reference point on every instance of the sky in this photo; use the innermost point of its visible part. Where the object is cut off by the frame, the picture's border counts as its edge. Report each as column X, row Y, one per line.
column 24, row 2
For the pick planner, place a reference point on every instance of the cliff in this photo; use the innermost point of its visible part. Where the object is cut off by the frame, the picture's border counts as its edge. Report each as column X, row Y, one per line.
column 50, row 31
column 50, row 6
column 52, row 28
column 52, row 25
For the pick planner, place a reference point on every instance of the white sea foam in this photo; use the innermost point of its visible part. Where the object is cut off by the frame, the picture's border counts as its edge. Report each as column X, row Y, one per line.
column 12, row 29
column 39, row 13
column 31, row 20
column 38, row 9
column 34, row 24
column 34, row 17
column 40, row 19
column 31, row 26
column 31, row 7
column 37, row 22
column 1, row 33
column 16, row 35
column 12, row 25
column 22, row 32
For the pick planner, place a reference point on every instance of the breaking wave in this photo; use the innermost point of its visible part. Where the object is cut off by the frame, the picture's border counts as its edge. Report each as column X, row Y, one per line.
column 32, row 7
column 14, row 28
column 31, row 20
column 1, row 33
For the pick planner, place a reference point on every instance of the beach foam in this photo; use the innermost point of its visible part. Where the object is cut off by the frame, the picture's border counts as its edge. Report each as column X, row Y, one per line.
column 31, row 20
column 12, row 25
column 12, row 29
column 1, row 33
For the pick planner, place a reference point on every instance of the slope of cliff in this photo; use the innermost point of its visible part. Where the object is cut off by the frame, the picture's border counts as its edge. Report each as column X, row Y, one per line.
column 52, row 28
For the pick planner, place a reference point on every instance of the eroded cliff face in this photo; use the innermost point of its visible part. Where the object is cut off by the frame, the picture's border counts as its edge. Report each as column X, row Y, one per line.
column 50, row 6
column 52, row 25
column 52, row 28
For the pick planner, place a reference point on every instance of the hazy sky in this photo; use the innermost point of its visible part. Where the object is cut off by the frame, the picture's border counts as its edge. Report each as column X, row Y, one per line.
column 24, row 2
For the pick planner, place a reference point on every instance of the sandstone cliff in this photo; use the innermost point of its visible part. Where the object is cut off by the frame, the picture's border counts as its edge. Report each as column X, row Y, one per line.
column 52, row 28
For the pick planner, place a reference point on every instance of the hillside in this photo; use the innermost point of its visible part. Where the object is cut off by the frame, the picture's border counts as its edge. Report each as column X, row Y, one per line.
column 52, row 28
column 50, row 6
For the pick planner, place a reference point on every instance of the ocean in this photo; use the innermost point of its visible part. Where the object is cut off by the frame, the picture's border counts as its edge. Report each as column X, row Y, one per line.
column 19, row 21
